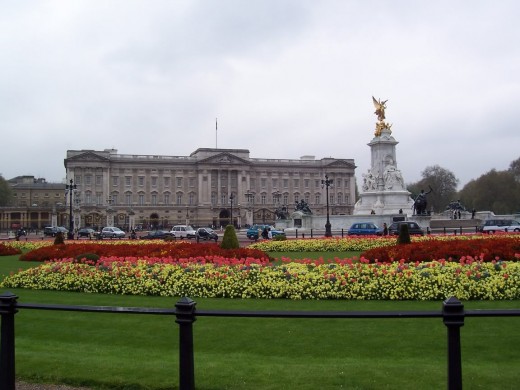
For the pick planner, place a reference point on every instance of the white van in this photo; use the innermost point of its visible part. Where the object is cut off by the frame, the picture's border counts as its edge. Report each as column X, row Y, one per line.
column 183, row 231
column 500, row 225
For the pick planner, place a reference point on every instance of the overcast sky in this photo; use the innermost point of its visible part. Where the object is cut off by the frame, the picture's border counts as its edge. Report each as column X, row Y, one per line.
column 284, row 78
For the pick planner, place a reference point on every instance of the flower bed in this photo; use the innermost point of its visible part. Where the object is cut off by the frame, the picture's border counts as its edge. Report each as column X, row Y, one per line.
column 506, row 248
column 7, row 250
column 436, row 280
column 143, row 249
column 202, row 270
column 363, row 243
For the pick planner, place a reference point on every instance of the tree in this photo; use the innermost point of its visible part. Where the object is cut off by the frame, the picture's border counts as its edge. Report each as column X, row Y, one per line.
column 444, row 185
column 514, row 168
column 495, row 191
column 6, row 194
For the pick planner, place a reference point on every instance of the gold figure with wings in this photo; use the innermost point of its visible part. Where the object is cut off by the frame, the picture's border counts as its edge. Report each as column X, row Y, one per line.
column 380, row 108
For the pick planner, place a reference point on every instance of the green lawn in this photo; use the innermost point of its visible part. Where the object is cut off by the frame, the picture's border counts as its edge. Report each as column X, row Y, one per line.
column 128, row 351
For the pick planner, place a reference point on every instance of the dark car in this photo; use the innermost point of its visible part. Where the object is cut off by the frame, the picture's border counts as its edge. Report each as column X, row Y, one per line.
column 255, row 231
column 86, row 232
column 53, row 230
column 157, row 235
column 413, row 228
column 364, row 229
column 206, row 234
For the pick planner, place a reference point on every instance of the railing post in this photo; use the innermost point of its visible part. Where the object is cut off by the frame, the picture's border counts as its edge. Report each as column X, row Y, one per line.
column 311, row 233
column 185, row 313
column 7, row 312
column 453, row 318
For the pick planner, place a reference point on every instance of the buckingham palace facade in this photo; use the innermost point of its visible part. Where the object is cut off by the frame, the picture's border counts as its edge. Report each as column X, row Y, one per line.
column 210, row 187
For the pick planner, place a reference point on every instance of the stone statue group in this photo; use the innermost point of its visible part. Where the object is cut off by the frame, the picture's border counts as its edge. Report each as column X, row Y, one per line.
column 392, row 179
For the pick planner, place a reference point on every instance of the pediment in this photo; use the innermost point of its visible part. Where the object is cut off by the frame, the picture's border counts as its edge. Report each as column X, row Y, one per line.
column 88, row 156
column 224, row 158
column 341, row 164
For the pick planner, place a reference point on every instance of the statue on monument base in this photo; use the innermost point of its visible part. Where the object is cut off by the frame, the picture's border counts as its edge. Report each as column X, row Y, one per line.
column 393, row 178
column 380, row 112
column 303, row 207
column 420, row 203
column 369, row 181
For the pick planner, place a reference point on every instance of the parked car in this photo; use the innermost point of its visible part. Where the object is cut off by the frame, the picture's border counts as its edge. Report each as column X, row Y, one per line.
column 112, row 232
column 206, row 234
column 413, row 228
column 365, row 229
column 500, row 225
column 183, row 231
column 53, row 230
column 255, row 231
column 157, row 235
column 86, row 232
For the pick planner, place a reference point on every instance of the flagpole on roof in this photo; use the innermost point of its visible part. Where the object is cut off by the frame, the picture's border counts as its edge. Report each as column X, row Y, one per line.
column 216, row 133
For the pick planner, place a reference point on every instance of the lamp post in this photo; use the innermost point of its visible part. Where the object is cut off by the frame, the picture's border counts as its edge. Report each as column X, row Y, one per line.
column 70, row 188
column 231, row 197
column 327, row 183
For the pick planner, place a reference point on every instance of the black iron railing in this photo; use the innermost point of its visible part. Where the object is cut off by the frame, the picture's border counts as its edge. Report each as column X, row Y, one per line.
column 452, row 314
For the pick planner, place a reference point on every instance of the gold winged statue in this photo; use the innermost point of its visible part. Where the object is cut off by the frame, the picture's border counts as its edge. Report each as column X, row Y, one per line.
column 380, row 108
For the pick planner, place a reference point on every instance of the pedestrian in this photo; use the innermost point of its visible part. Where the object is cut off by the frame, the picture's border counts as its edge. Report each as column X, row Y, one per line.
column 385, row 229
column 458, row 213
column 473, row 212
column 269, row 234
column 265, row 234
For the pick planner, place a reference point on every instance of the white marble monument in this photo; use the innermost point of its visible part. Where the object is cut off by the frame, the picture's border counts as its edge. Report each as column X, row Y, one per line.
column 383, row 190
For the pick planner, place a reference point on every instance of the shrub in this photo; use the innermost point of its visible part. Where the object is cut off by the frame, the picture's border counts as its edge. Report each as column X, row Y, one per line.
column 59, row 239
column 230, row 240
column 404, row 234
column 279, row 237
